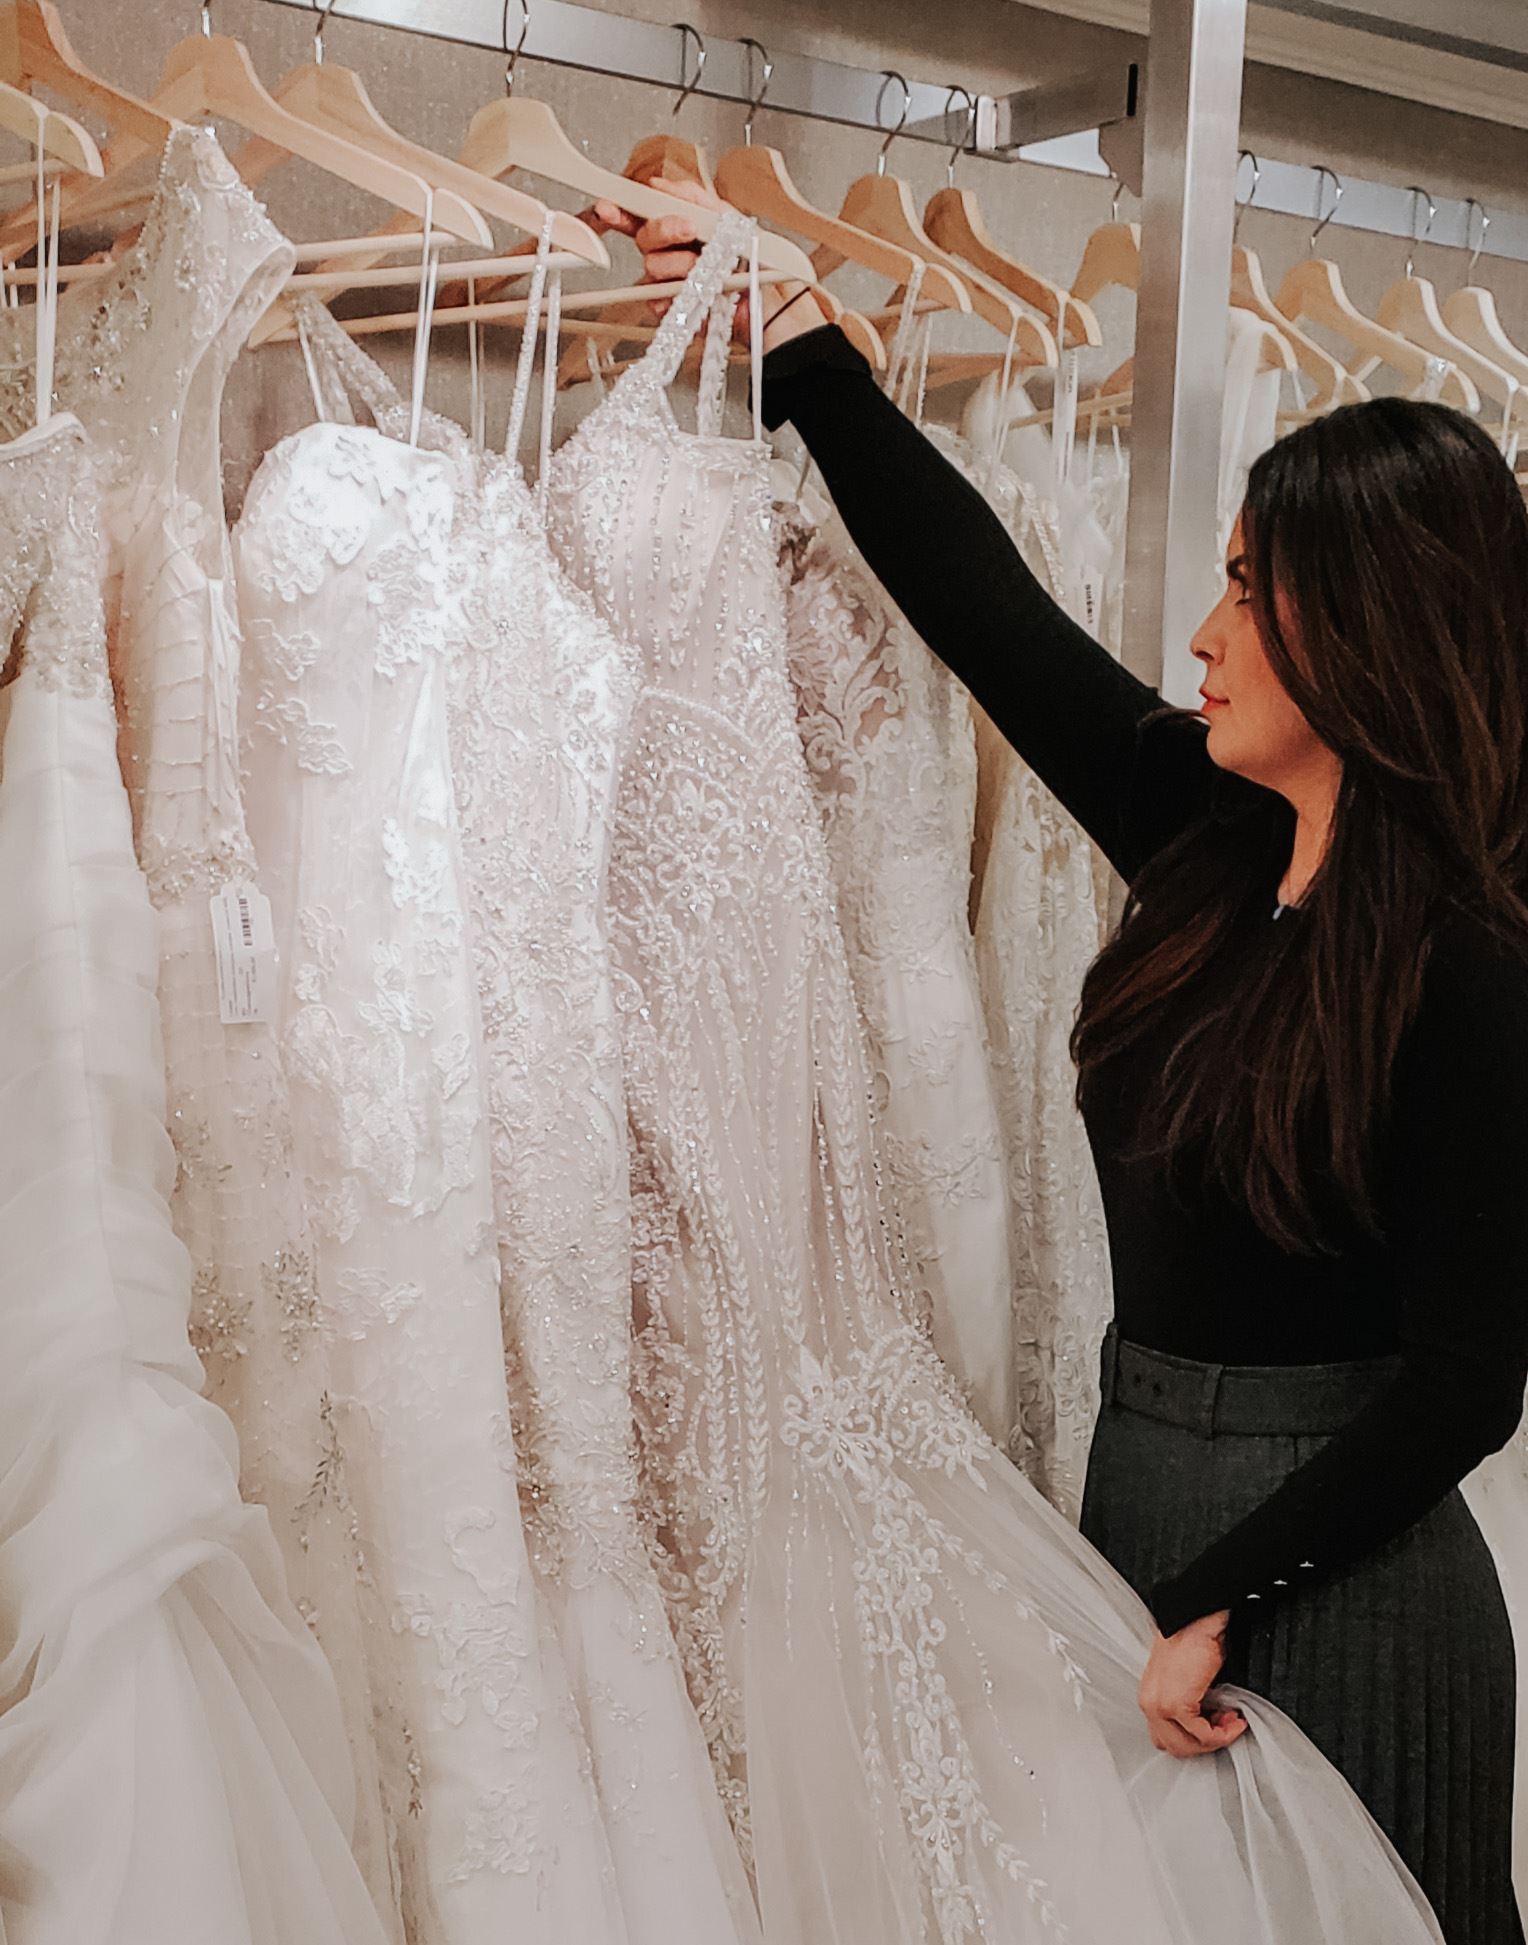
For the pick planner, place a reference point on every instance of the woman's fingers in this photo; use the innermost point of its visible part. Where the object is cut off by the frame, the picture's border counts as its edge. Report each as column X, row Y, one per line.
column 611, row 218
column 668, row 266
column 663, row 233
column 1170, row 1737
column 1186, row 1732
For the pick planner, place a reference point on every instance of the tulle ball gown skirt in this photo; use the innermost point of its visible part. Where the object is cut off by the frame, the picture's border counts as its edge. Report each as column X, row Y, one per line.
column 1400, row 1670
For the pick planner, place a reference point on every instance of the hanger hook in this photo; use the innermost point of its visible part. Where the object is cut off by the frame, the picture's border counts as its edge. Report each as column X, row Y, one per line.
column 326, row 8
column 1418, row 196
column 1119, row 190
column 687, row 88
column 512, row 54
column 1322, row 172
column 207, row 18
column 756, row 102
column 1471, row 203
column 1246, row 155
column 888, row 75
column 965, row 133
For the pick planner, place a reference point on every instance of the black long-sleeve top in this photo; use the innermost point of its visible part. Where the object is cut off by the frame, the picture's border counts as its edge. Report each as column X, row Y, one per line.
column 1446, row 1291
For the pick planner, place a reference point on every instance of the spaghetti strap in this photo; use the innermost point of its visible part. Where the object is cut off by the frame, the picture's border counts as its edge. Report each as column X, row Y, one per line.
column 527, row 358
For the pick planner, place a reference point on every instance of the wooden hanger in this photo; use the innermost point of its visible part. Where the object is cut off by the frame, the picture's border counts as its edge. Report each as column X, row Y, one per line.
column 57, row 135
column 671, row 158
column 1410, row 306
column 209, row 75
column 883, row 205
column 757, row 180
column 518, row 133
column 35, row 52
column 667, row 156
column 1111, row 260
column 1472, row 316
column 1314, row 290
column 513, row 310
column 954, row 220
column 336, row 97
column 1334, row 383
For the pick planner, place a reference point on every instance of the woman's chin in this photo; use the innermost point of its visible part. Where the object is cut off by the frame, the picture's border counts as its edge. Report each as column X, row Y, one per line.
column 1216, row 740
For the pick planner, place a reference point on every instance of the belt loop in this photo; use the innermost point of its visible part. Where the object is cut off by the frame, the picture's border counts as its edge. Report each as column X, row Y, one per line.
column 1209, row 1400
column 1108, row 1366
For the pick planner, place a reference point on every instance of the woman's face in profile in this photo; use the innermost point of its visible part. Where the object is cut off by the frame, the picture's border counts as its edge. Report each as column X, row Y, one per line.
column 1256, row 729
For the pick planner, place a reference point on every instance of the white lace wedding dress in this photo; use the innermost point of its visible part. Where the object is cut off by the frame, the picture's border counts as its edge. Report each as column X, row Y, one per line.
column 888, row 740
column 349, row 586
column 919, row 1685
column 142, row 357
column 541, row 695
column 172, row 1765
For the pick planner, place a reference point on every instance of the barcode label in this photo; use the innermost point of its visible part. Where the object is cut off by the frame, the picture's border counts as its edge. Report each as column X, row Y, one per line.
column 244, row 945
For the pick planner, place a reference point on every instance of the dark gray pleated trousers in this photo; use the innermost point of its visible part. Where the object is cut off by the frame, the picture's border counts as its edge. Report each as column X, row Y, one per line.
column 1399, row 1669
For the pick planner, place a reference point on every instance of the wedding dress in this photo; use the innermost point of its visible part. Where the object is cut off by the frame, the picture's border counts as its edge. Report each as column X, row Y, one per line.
column 918, row 1683
column 172, row 1765
column 887, row 735
column 1038, row 927
column 142, row 355
column 541, row 694
column 348, row 584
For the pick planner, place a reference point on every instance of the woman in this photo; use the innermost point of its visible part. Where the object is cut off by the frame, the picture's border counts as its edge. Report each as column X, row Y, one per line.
column 1303, row 1064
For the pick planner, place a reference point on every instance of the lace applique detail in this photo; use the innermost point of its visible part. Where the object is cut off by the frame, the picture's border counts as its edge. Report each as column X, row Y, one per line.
column 50, row 606
column 346, row 580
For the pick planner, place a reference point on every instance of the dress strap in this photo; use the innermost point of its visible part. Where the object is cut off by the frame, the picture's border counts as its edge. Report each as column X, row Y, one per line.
column 343, row 370
column 429, row 278
column 899, row 363
column 47, row 279
column 659, row 365
column 549, row 363
column 712, row 392
column 527, row 359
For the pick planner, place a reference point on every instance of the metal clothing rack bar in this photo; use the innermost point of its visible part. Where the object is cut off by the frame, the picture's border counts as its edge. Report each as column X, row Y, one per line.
column 1384, row 210
column 1013, row 127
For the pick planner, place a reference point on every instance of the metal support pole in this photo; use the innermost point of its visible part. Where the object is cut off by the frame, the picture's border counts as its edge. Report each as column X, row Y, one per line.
column 1193, row 114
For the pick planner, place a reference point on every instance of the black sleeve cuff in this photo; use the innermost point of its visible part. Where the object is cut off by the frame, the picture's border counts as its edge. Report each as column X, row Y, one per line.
column 825, row 349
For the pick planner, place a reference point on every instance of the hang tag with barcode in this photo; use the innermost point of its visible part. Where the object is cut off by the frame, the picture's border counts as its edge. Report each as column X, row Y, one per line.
column 245, row 944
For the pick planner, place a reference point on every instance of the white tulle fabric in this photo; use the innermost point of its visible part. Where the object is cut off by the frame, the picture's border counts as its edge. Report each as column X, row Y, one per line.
column 172, row 1765
column 347, row 582
column 888, row 738
column 541, row 694
column 919, row 1685
column 142, row 357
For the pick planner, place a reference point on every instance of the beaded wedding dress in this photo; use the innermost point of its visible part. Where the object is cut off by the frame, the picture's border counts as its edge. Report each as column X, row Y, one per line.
column 142, row 357
column 918, row 1683
column 540, row 701
column 888, row 740
column 172, row 1765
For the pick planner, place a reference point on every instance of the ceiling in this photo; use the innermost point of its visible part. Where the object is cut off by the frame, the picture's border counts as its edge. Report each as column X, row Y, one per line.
column 1470, row 57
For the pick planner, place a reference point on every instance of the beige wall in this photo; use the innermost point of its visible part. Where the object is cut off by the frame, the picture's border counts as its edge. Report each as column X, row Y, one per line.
column 429, row 89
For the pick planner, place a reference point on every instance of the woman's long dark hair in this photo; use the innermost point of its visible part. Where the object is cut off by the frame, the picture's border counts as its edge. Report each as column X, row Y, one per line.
column 1387, row 555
